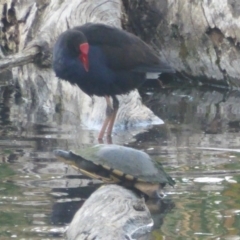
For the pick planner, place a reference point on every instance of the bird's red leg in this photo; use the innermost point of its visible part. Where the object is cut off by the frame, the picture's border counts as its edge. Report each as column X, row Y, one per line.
column 109, row 113
column 113, row 116
column 111, row 123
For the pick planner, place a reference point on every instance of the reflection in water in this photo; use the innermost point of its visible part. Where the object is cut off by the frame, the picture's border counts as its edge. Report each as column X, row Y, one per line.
column 39, row 195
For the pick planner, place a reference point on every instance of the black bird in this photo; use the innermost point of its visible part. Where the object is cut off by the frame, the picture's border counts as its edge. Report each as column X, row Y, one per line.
column 104, row 61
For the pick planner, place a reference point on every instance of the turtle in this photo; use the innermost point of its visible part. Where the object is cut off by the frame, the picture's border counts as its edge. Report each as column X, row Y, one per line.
column 127, row 166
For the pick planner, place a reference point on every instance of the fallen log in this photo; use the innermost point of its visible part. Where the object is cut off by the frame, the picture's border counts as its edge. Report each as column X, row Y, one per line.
column 111, row 213
column 199, row 38
column 19, row 59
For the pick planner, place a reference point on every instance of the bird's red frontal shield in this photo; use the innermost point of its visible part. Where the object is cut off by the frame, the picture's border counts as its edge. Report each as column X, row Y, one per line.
column 84, row 48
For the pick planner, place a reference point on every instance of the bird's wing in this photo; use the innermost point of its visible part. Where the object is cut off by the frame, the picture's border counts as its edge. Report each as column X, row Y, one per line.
column 123, row 50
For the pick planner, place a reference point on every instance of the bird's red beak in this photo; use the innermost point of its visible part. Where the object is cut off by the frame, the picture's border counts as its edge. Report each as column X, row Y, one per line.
column 84, row 48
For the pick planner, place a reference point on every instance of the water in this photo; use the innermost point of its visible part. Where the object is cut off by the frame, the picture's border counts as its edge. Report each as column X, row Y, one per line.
column 199, row 146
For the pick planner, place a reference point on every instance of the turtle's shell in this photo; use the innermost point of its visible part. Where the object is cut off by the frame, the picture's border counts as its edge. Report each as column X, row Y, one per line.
column 123, row 162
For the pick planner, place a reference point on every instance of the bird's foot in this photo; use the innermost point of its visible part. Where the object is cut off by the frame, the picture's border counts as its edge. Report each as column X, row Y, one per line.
column 108, row 139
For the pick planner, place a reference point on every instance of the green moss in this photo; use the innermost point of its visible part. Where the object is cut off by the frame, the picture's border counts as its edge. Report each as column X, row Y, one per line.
column 12, row 219
column 5, row 171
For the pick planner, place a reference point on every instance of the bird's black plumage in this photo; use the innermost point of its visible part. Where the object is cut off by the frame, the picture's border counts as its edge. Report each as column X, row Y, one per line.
column 118, row 60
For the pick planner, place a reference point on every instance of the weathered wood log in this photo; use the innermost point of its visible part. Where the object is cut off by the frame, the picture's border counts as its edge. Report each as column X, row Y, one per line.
column 27, row 24
column 111, row 213
column 18, row 59
column 200, row 38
